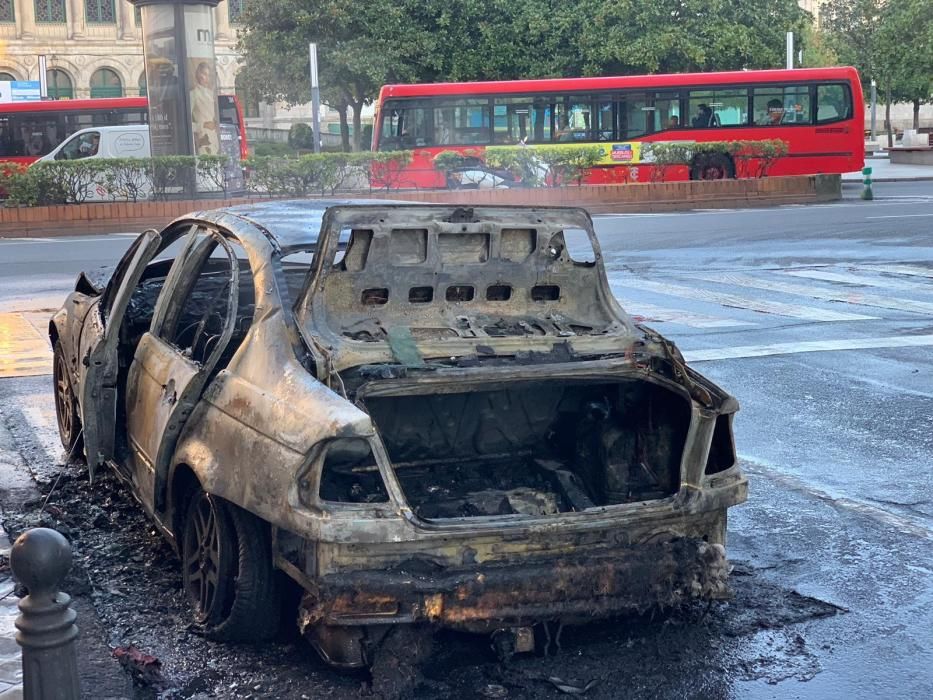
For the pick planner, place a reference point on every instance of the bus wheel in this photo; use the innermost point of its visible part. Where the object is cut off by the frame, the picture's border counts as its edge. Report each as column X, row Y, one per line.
column 712, row 166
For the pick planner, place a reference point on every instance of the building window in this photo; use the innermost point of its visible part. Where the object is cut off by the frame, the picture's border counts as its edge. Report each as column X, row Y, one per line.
column 4, row 76
column 7, row 14
column 60, row 85
column 106, row 83
column 52, row 11
column 99, row 11
column 249, row 102
column 138, row 15
column 142, row 85
column 235, row 9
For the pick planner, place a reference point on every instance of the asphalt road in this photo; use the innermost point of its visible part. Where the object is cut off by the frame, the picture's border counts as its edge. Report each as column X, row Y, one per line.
column 820, row 320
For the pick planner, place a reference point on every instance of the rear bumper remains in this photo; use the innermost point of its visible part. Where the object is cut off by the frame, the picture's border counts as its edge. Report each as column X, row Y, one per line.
column 486, row 598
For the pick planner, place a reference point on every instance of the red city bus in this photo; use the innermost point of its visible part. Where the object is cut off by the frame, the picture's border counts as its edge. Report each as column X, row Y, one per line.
column 29, row 130
column 818, row 112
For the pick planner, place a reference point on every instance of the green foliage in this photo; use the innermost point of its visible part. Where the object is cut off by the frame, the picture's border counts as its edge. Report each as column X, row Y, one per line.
column 32, row 187
column 751, row 158
column 324, row 173
column 126, row 179
column 388, row 168
column 548, row 166
column 212, row 173
column 73, row 177
column 282, row 150
column 301, row 137
column 363, row 46
column 904, row 48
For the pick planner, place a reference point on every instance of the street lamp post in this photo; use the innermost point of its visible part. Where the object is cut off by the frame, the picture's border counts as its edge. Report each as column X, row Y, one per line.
column 874, row 105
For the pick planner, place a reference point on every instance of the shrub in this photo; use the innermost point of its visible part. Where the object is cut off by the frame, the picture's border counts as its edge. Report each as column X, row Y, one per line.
column 546, row 166
column 301, row 136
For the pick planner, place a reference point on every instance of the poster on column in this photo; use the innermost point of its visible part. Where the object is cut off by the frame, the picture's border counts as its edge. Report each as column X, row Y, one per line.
column 168, row 131
column 201, row 70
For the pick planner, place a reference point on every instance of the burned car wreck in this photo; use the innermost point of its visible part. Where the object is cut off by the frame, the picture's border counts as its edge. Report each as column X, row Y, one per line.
column 420, row 414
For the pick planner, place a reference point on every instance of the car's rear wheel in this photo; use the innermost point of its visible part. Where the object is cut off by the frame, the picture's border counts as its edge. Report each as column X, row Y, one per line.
column 66, row 407
column 227, row 571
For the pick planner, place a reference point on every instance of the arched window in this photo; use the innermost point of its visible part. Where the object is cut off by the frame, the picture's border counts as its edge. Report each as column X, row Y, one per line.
column 249, row 103
column 6, row 76
column 99, row 11
column 106, row 83
column 50, row 11
column 60, row 85
column 142, row 84
column 7, row 13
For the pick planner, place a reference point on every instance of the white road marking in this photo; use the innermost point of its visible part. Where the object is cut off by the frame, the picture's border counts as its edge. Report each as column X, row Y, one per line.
column 860, row 280
column 808, row 313
column 911, row 270
column 883, row 302
column 898, row 216
column 745, row 351
column 661, row 314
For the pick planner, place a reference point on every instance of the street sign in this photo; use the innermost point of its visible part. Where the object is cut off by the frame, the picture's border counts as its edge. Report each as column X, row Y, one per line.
column 19, row 91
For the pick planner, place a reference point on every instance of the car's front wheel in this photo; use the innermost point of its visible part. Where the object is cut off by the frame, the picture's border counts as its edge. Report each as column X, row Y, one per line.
column 228, row 573
column 66, row 407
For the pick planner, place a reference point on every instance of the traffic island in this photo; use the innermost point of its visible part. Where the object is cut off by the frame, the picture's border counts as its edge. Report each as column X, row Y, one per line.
column 124, row 217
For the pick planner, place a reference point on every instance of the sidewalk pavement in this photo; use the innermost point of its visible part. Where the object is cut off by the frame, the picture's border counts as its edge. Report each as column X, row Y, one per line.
column 882, row 170
column 11, row 671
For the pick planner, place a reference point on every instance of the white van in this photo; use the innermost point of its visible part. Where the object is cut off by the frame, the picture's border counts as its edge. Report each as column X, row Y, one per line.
column 132, row 141
column 124, row 141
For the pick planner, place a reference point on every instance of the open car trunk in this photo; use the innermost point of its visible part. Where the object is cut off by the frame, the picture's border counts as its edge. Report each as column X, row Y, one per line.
column 533, row 448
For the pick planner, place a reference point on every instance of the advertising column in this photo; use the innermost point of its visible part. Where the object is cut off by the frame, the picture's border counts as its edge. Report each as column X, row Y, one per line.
column 181, row 77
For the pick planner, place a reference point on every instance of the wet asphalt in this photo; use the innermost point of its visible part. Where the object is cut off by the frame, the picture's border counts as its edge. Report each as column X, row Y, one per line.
column 833, row 551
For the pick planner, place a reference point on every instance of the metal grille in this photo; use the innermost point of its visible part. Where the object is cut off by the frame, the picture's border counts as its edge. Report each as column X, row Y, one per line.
column 6, row 11
column 99, row 11
column 50, row 11
column 235, row 9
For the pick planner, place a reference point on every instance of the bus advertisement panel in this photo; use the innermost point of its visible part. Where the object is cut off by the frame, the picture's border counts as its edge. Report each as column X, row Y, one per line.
column 818, row 113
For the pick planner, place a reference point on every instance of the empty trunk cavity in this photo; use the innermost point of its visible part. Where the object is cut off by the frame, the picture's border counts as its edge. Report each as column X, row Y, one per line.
column 534, row 448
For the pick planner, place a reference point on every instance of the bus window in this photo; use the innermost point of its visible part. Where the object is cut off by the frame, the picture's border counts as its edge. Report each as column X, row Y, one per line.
column 636, row 116
column 518, row 120
column 404, row 128
column 718, row 108
column 571, row 119
column 33, row 134
column 667, row 111
column 779, row 105
column 464, row 123
column 605, row 118
column 833, row 103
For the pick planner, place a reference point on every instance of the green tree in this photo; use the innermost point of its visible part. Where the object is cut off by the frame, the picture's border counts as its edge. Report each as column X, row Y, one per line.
column 905, row 52
column 365, row 45
column 850, row 29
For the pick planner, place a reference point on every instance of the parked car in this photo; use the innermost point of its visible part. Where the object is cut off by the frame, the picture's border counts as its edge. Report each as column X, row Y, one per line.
column 420, row 414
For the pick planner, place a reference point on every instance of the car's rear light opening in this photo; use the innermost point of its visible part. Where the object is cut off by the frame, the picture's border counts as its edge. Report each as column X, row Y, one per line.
column 534, row 448
column 722, row 448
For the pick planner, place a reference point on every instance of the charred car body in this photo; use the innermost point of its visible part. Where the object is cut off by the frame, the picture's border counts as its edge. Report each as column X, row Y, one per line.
column 419, row 413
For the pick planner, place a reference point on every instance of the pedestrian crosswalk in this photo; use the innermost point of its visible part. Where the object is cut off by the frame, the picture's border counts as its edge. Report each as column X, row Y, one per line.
column 819, row 293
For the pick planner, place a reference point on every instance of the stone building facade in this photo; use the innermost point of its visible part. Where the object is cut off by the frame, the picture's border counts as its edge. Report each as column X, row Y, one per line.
column 93, row 48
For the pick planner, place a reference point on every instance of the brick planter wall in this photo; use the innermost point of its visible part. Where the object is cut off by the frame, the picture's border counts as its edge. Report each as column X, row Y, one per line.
column 110, row 217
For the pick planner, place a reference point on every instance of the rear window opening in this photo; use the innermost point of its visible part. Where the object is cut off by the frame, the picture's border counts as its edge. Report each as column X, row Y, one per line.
column 534, row 448
column 375, row 296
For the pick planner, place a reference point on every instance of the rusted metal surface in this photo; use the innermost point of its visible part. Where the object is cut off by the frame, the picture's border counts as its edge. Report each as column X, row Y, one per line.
column 445, row 417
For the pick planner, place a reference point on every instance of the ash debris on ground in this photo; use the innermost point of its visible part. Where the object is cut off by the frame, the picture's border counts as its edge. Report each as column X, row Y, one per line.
column 124, row 568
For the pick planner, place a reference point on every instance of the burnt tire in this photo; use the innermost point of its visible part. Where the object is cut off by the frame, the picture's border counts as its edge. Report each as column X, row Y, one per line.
column 227, row 571
column 712, row 166
column 66, row 406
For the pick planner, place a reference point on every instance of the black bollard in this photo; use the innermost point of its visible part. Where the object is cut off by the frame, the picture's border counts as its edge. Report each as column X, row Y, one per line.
column 40, row 560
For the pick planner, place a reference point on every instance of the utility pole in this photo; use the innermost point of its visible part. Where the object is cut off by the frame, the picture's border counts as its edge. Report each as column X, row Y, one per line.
column 790, row 50
column 315, row 99
column 874, row 106
column 43, row 78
